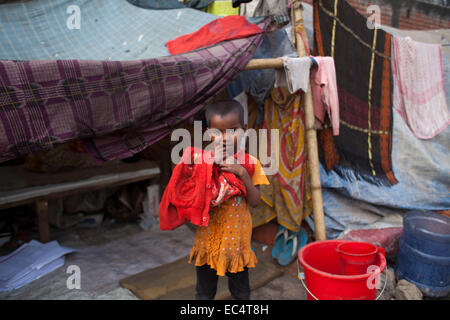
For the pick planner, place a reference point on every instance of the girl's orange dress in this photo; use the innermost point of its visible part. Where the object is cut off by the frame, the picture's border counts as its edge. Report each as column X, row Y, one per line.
column 225, row 244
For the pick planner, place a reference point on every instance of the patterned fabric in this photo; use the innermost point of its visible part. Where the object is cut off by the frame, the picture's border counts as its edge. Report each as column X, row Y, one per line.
column 287, row 198
column 363, row 71
column 120, row 107
column 419, row 93
column 227, row 185
column 225, row 244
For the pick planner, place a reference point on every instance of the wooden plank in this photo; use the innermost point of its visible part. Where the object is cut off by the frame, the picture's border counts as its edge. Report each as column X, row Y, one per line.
column 177, row 280
column 52, row 192
column 41, row 209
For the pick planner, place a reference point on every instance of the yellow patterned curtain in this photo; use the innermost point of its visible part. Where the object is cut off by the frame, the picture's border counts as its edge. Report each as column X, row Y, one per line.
column 288, row 197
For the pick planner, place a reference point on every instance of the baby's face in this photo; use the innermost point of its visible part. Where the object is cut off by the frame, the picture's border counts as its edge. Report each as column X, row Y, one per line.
column 228, row 125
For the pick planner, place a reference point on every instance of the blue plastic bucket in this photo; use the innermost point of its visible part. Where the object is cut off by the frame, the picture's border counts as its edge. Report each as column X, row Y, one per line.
column 424, row 253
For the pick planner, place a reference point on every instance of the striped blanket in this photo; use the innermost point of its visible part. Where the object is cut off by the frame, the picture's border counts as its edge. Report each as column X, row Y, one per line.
column 364, row 78
column 118, row 107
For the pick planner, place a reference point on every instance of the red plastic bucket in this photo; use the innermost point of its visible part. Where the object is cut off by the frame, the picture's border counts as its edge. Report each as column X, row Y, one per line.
column 356, row 257
column 324, row 279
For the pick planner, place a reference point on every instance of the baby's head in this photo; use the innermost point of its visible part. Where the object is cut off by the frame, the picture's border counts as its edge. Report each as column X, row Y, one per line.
column 226, row 115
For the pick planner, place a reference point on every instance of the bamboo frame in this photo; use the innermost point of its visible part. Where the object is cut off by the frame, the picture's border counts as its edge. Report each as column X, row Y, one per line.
column 311, row 138
column 311, row 134
column 255, row 64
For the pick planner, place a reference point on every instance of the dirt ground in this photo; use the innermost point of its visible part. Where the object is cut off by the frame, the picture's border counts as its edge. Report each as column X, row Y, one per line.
column 285, row 287
column 53, row 285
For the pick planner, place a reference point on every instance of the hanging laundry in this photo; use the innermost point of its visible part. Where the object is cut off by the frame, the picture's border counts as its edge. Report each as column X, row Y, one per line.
column 419, row 94
column 325, row 94
column 259, row 83
column 222, row 8
column 294, row 75
column 237, row 3
column 363, row 73
column 227, row 28
column 288, row 197
column 263, row 8
column 196, row 185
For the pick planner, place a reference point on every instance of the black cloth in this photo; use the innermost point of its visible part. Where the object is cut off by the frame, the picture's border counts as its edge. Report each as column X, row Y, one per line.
column 170, row 4
column 363, row 148
column 237, row 3
column 238, row 284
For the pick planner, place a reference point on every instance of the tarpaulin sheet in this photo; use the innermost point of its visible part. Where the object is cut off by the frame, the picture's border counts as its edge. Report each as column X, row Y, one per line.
column 109, row 30
column 121, row 106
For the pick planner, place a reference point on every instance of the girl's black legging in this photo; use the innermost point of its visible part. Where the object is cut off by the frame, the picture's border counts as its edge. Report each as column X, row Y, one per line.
column 238, row 284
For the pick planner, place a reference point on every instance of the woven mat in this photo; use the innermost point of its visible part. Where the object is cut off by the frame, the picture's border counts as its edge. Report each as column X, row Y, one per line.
column 176, row 281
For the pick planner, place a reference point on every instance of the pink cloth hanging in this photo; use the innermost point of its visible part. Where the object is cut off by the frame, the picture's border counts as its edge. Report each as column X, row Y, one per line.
column 418, row 80
column 325, row 94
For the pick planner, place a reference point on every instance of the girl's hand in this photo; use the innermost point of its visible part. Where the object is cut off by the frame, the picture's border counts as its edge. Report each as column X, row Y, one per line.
column 221, row 150
column 235, row 168
column 253, row 194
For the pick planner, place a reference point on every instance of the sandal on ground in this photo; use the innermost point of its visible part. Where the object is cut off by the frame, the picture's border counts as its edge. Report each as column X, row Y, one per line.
column 294, row 242
column 280, row 240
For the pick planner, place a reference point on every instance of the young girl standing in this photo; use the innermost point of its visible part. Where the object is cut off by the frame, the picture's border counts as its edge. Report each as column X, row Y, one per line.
column 224, row 246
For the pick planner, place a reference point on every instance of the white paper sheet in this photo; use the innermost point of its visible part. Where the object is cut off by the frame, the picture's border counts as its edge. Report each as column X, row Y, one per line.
column 30, row 262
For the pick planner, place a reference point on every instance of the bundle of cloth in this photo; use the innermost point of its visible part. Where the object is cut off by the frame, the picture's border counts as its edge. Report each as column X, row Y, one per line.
column 197, row 184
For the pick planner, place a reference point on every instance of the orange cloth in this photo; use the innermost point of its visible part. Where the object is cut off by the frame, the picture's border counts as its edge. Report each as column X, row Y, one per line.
column 225, row 244
column 222, row 29
column 188, row 194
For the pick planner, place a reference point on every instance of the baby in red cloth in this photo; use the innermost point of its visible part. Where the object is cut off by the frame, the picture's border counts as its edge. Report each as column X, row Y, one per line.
column 215, row 195
column 224, row 246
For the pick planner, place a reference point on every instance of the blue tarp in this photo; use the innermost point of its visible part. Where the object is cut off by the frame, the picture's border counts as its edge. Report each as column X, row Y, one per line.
column 422, row 169
column 109, row 30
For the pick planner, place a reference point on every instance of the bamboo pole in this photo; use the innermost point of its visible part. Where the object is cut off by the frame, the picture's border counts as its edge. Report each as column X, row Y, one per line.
column 311, row 136
column 255, row 64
